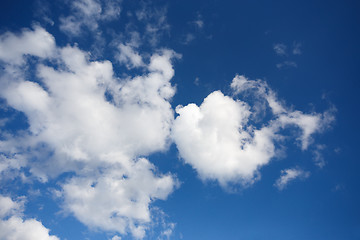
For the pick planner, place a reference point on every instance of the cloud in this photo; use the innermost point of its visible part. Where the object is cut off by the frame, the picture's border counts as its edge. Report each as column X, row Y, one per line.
column 286, row 64
column 188, row 38
column 280, row 49
column 318, row 157
column 117, row 200
column 289, row 175
column 198, row 22
column 297, row 48
column 219, row 141
column 38, row 43
column 84, row 120
column 155, row 21
column 88, row 14
column 129, row 57
column 12, row 226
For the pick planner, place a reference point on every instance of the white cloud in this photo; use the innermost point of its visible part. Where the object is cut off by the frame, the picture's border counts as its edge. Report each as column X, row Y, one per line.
column 289, row 175
column 219, row 141
column 35, row 42
column 129, row 56
column 318, row 157
column 280, row 49
column 82, row 119
column 88, row 13
column 12, row 226
column 119, row 199
column 116, row 237
column 155, row 21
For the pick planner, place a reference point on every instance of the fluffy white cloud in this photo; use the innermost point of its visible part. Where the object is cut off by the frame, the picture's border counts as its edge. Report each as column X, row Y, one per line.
column 119, row 199
column 82, row 119
column 12, row 226
column 219, row 141
column 289, row 175
column 37, row 42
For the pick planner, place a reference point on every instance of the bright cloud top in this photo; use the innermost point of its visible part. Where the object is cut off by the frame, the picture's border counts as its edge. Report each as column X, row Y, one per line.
column 219, row 141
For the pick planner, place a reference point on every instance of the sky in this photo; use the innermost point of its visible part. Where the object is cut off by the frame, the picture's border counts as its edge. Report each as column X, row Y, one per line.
column 179, row 119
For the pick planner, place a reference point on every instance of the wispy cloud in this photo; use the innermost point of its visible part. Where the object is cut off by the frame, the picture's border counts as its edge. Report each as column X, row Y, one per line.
column 289, row 175
column 286, row 64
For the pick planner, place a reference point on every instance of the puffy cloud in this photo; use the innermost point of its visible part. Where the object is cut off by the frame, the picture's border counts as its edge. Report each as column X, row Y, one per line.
column 12, row 226
column 37, row 42
column 119, row 199
column 289, row 175
column 219, row 141
column 84, row 120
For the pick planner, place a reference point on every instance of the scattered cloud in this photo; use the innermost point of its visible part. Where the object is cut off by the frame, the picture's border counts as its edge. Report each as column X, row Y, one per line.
column 289, row 175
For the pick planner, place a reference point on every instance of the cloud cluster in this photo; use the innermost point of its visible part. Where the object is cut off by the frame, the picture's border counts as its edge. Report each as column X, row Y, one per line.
column 84, row 120
column 13, row 226
column 219, row 141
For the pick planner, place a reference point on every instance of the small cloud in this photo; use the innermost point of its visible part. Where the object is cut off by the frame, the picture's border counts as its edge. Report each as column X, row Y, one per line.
column 199, row 22
column 337, row 150
column 280, row 49
column 116, row 237
column 286, row 64
column 338, row 187
column 289, row 175
column 197, row 81
column 188, row 38
column 318, row 157
column 296, row 48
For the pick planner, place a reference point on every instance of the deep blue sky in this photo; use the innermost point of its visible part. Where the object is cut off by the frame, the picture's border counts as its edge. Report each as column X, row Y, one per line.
column 236, row 37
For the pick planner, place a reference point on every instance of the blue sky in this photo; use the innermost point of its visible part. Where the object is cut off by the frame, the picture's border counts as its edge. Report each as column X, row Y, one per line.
column 179, row 119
